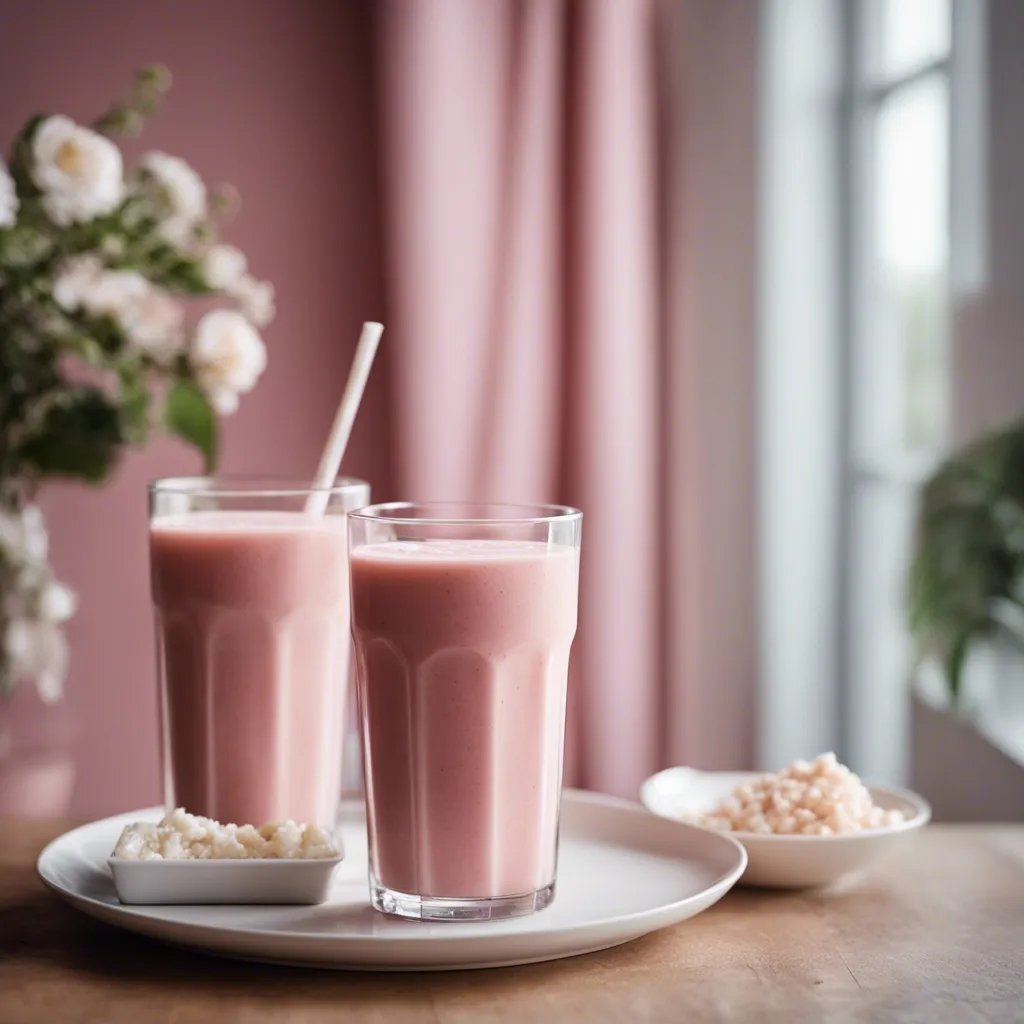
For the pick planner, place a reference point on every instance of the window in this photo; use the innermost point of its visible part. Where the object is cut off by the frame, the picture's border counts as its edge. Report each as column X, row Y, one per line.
column 897, row 330
column 870, row 161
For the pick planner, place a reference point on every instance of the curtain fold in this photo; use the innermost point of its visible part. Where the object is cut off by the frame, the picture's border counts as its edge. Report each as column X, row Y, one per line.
column 522, row 200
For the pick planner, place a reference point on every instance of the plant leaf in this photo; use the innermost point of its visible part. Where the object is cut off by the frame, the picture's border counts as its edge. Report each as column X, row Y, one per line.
column 179, row 273
column 955, row 662
column 21, row 159
column 134, row 402
column 23, row 246
column 188, row 414
column 79, row 436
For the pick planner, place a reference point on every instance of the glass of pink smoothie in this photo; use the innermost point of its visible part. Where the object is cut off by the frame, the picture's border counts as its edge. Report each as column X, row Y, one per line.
column 463, row 617
column 251, row 596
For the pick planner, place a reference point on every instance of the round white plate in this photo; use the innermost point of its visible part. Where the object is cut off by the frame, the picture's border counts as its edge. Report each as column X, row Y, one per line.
column 786, row 861
column 622, row 873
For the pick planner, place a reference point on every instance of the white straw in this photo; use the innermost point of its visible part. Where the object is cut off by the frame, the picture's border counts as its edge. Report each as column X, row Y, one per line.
column 334, row 450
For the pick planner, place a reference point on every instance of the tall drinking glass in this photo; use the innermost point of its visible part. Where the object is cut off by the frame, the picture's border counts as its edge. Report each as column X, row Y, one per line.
column 463, row 617
column 251, row 596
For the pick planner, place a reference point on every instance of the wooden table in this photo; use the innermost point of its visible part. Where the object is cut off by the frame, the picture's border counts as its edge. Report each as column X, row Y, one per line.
column 934, row 935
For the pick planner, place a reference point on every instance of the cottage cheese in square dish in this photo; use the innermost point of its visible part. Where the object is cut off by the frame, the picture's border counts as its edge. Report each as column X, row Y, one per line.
column 183, row 836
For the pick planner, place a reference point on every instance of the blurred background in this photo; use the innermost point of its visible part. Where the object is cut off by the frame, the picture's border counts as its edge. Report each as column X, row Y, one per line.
column 734, row 277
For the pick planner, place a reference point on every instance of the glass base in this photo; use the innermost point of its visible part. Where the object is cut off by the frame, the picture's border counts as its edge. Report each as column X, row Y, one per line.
column 437, row 908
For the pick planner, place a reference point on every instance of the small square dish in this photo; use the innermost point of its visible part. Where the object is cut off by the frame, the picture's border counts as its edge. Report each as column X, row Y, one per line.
column 255, row 881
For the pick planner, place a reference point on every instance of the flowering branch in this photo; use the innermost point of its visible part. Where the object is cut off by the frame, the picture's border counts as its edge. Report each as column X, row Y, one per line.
column 97, row 348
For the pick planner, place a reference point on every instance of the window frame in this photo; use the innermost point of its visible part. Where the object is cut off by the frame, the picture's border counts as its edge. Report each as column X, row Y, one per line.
column 808, row 216
column 874, row 724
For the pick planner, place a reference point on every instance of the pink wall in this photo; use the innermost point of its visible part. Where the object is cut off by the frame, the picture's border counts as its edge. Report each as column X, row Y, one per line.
column 273, row 97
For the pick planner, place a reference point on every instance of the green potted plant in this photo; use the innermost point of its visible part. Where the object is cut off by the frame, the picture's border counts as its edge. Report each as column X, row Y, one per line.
column 966, row 578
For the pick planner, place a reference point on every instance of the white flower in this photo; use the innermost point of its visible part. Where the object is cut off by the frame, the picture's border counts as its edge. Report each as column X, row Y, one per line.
column 11, row 536
column 75, row 280
column 114, row 291
column 224, row 266
column 255, row 299
column 80, row 172
column 23, row 536
column 223, row 401
column 84, row 283
column 8, row 197
column 184, row 193
column 178, row 232
column 57, row 602
column 20, row 647
column 35, row 542
column 183, row 188
column 32, row 605
column 153, row 321
column 150, row 317
column 37, row 650
column 228, row 356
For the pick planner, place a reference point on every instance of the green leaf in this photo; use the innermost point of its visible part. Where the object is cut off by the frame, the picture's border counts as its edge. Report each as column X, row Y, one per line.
column 79, row 436
column 134, row 402
column 21, row 159
column 955, row 664
column 153, row 78
column 188, row 414
column 86, row 347
column 23, row 246
column 184, row 275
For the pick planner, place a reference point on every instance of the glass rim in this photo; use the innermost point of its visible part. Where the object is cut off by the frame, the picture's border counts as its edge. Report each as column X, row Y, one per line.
column 503, row 513
column 245, row 486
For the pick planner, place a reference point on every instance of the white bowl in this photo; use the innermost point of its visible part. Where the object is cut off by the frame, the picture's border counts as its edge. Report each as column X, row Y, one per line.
column 786, row 862
column 260, row 880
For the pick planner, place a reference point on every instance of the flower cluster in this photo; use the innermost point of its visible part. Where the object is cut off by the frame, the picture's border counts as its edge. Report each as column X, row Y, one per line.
column 98, row 349
column 33, row 605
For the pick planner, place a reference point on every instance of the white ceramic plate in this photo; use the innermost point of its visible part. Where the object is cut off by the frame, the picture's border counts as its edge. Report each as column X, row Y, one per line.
column 622, row 873
column 786, row 862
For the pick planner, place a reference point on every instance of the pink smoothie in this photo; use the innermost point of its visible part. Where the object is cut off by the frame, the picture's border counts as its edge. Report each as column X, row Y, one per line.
column 252, row 623
column 462, row 652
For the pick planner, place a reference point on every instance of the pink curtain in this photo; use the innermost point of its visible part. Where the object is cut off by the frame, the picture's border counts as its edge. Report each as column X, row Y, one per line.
column 521, row 269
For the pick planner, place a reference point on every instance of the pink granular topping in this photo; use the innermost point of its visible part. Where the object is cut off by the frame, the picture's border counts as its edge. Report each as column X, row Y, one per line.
column 819, row 798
